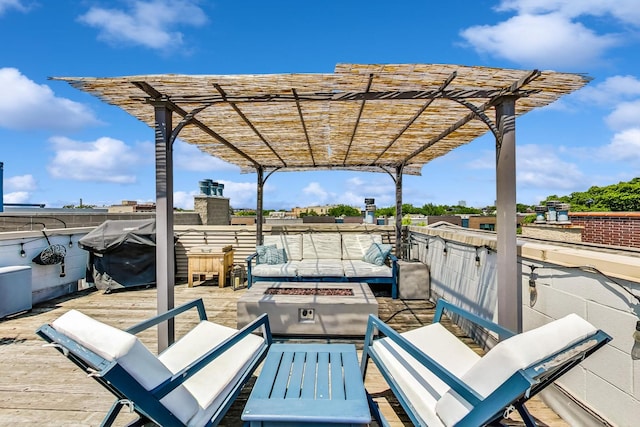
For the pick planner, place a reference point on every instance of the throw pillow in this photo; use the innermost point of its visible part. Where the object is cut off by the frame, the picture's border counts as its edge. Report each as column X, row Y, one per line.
column 270, row 254
column 377, row 253
column 264, row 253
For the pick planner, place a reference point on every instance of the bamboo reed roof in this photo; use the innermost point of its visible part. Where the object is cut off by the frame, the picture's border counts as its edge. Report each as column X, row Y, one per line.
column 363, row 117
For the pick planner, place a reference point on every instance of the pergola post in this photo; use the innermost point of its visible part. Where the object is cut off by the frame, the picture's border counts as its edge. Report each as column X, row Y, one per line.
column 259, row 200
column 509, row 281
column 398, row 182
column 165, row 250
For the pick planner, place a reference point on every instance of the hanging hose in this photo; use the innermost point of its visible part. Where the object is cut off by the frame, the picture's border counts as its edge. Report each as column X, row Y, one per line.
column 52, row 254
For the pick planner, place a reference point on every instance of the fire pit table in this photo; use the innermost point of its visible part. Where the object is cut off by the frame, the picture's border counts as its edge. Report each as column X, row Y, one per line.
column 309, row 308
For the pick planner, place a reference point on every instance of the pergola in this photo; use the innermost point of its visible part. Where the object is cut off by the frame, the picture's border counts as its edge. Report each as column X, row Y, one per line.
column 363, row 117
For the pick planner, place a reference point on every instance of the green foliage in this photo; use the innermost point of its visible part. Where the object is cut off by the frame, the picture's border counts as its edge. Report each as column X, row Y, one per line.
column 621, row 197
column 390, row 211
column 345, row 210
column 309, row 213
column 79, row 206
column 406, row 220
column 245, row 213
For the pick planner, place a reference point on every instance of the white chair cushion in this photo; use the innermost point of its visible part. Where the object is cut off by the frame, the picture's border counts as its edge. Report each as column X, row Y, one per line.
column 213, row 384
column 421, row 386
column 359, row 268
column 354, row 246
column 320, row 268
column 115, row 344
column 511, row 355
column 321, row 246
column 291, row 243
column 288, row 269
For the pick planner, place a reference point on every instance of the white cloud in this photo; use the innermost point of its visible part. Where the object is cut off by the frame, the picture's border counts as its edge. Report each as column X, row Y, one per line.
column 6, row 5
column 625, row 115
column 20, row 183
column 25, row 105
column 184, row 200
column 16, row 197
column 189, row 157
column 147, row 23
column 103, row 160
column 485, row 160
column 318, row 194
column 541, row 41
column 626, row 11
column 540, row 167
column 624, row 146
column 611, row 91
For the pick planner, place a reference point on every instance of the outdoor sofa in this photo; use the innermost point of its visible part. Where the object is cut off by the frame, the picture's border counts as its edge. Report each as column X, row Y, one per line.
column 324, row 257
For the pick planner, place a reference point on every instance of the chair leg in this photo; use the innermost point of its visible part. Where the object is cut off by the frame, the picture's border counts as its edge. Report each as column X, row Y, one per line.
column 113, row 413
column 375, row 412
column 529, row 421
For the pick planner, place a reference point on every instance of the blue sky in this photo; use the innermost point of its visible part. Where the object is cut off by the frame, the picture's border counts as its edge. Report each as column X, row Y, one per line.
column 60, row 145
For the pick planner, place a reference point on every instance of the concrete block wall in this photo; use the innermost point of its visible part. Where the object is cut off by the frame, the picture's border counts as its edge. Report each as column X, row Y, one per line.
column 609, row 381
column 609, row 228
column 212, row 210
column 571, row 234
column 46, row 280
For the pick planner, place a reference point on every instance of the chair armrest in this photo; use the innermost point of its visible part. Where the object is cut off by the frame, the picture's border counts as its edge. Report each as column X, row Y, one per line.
column 197, row 303
column 180, row 377
column 374, row 323
column 249, row 264
column 485, row 323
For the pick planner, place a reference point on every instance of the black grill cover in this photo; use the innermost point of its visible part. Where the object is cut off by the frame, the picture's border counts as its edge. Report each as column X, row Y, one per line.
column 122, row 254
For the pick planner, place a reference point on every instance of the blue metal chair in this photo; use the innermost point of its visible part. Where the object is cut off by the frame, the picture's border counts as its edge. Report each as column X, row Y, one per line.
column 440, row 381
column 191, row 383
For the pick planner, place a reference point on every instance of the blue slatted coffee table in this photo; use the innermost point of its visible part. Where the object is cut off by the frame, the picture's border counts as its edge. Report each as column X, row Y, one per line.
column 308, row 384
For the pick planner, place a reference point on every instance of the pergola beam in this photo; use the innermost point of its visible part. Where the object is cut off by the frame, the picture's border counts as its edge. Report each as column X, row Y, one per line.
column 353, row 96
column 157, row 96
column 249, row 123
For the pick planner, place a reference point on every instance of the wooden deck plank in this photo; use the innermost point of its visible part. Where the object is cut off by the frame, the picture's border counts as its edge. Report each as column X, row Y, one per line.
column 40, row 387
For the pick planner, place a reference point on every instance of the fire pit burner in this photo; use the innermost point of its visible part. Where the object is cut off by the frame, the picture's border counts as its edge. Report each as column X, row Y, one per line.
column 309, row 291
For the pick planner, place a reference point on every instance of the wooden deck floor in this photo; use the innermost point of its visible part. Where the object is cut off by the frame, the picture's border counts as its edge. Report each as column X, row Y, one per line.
column 38, row 386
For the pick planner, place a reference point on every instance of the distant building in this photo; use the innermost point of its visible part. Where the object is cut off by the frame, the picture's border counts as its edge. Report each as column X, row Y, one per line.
column 320, row 210
column 131, row 206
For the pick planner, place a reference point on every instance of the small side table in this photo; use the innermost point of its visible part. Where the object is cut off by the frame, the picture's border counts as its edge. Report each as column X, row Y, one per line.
column 317, row 384
column 203, row 260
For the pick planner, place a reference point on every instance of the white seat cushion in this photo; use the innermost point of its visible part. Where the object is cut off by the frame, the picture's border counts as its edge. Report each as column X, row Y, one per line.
column 288, row 269
column 423, row 388
column 355, row 245
column 320, row 268
column 291, row 243
column 509, row 356
column 359, row 268
column 213, row 384
column 114, row 344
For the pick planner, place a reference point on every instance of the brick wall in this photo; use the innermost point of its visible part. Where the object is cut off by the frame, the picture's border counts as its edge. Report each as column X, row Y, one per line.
column 609, row 228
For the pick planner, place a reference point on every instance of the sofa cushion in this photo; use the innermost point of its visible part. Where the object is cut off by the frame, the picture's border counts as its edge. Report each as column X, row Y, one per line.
column 288, row 269
column 271, row 255
column 321, row 246
column 359, row 268
column 355, row 245
column 377, row 253
column 115, row 344
column 507, row 357
column 291, row 243
column 320, row 268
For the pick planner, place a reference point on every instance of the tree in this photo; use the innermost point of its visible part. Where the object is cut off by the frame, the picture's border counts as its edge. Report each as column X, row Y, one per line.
column 343, row 210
